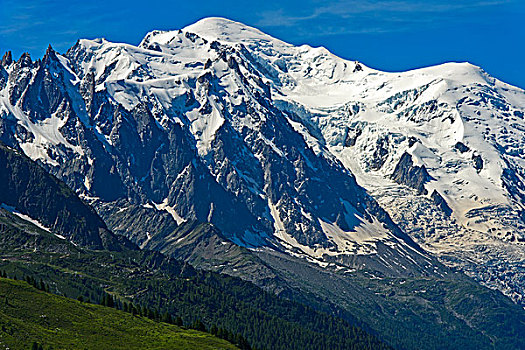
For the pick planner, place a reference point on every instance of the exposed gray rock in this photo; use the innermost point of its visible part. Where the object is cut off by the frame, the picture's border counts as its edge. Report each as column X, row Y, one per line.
column 30, row 190
column 351, row 135
column 380, row 153
column 7, row 59
column 478, row 162
column 412, row 141
column 460, row 146
column 440, row 202
column 411, row 175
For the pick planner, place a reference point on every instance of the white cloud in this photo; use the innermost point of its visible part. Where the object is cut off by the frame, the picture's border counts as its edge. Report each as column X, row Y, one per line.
column 359, row 16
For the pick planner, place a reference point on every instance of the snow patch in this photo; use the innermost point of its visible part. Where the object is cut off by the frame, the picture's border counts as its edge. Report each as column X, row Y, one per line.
column 25, row 217
column 164, row 206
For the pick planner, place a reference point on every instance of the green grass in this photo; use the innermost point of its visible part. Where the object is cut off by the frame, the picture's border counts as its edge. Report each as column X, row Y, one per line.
column 28, row 315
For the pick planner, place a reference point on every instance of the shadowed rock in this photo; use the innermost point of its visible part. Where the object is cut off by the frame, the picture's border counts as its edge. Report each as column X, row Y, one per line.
column 406, row 173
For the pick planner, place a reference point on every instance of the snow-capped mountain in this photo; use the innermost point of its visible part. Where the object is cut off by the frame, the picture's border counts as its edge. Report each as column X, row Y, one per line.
column 441, row 148
column 282, row 147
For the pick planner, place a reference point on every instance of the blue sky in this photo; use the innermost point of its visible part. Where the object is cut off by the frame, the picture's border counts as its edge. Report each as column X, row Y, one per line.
column 386, row 34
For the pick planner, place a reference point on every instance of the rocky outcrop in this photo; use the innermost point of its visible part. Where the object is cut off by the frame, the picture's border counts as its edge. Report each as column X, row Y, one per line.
column 351, row 135
column 30, row 190
column 380, row 153
column 441, row 202
column 477, row 162
column 7, row 59
column 411, row 175
column 460, row 146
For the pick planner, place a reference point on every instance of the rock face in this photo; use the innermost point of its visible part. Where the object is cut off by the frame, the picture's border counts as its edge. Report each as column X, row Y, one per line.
column 406, row 173
column 441, row 202
column 460, row 146
column 154, row 138
column 277, row 146
column 28, row 190
column 478, row 162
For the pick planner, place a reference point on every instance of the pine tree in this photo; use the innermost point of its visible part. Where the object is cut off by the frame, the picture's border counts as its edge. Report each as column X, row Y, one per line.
column 243, row 343
column 110, row 301
column 199, row 326
column 166, row 318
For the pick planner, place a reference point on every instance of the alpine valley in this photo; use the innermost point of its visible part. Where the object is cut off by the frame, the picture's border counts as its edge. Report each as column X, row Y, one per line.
column 389, row 206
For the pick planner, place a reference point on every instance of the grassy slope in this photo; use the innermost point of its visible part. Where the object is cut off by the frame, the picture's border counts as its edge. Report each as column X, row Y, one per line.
column 30, row 315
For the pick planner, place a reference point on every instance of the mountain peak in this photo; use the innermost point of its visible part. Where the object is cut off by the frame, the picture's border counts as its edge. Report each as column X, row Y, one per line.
column 50, row 54
column 216, row 21
column 229, row 31
column 214, row 29
column 218, row 26
column 7, row 59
